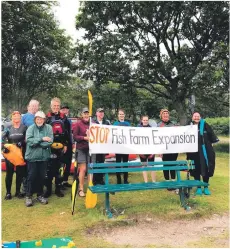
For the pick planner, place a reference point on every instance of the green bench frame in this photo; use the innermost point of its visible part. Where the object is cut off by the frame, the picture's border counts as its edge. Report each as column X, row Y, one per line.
column 184, row 186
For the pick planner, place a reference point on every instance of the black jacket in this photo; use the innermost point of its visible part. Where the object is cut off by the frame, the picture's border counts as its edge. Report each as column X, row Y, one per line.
column 200, row 163
column 64, row 139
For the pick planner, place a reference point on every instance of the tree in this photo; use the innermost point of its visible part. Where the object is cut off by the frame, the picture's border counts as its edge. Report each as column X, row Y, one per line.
column 36, row 55
column 135, row 102
column 157, row 46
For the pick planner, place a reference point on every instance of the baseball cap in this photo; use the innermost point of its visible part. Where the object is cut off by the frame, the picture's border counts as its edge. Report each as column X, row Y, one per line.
column 85, row 109
column 65, row 106
column 40, row 114
column 100, row 110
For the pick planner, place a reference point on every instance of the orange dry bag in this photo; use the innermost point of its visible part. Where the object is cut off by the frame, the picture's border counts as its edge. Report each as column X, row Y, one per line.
column 14, row 155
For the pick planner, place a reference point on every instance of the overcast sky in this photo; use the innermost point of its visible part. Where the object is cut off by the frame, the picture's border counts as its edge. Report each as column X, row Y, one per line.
column 65, row 14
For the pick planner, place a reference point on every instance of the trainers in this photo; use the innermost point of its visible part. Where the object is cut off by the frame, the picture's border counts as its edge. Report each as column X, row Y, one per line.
column 207, row 191
column 198, row 191
column 66, row 184
column 126, row 182
column 42, row 200
column 59, row 193
column 19, row 195
column 8, row 196
column 29, row 202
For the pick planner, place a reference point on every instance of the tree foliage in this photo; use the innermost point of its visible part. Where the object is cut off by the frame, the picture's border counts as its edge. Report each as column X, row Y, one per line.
column 163, row 47
column 36, row 55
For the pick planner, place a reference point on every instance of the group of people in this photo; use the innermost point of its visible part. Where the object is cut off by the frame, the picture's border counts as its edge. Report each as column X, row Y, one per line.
column 203, row 167
column 46, row 143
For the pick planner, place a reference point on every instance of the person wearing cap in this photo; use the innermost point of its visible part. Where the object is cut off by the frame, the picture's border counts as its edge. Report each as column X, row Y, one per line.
column 39, row 138
column 165, row 122
column 15, row 134
column 122, row 157
column 61, row 132
column 67, row 157
column 99, row 158
column 81, row 136
column 27, row 120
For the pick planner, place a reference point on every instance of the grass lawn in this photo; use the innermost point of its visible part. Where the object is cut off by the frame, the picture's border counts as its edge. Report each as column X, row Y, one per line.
column 55, row 219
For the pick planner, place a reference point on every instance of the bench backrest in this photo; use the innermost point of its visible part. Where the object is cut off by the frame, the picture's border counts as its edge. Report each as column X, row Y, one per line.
column 139, row 166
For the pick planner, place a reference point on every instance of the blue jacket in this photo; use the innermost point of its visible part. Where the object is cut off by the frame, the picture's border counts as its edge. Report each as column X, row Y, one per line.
column 118, row 123
column 28, row 119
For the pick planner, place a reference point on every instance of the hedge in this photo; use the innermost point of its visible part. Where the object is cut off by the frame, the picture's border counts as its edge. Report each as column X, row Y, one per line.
column 219, row 125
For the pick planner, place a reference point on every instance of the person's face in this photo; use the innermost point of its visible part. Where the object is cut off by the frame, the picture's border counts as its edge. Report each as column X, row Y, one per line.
column 65, row 111
column 33, row 107
column 16, row 119
column 55, row 106
column 121, row 116
column 100, row 115
column 39, row 121
column 196, row 117
column 165, row 116
column 85, row 116
column 145, row 121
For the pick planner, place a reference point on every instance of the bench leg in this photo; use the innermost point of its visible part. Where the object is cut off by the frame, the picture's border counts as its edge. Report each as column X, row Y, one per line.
column 183, row 197
column 107, row 206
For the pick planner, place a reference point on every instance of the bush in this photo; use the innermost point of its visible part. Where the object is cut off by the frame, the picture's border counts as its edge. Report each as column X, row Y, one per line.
column 221, row 147
column 220, row 125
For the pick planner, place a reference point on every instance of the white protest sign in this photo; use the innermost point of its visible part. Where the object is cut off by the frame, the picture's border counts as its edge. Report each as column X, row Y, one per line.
column 142, row 140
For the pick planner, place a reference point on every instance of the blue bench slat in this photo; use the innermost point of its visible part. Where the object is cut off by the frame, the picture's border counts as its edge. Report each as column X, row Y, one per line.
column 108, row 165
column 138, row 169
column 145, row 186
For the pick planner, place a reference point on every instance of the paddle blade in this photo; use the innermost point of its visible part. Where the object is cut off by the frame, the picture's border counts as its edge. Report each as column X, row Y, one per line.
column 90, row 199
column 73, row 195
column 90, row 97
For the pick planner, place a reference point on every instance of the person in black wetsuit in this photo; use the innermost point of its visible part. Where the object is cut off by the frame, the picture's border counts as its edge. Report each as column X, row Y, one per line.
column 61, row 130
column 15, row 134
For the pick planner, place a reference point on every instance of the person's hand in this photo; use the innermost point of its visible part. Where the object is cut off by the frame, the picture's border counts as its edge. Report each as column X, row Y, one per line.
column 150, row 156
column 73, row 147
column 5, row 150
column 46, row 139
column 64, row 149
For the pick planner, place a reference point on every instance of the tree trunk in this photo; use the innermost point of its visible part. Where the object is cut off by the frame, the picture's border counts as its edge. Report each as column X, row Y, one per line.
column 181, row 109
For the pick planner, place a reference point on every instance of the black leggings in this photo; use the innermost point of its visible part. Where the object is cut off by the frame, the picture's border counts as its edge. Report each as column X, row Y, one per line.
column 169, row 157
column 53, row 171
column 67, row 160
column 119, row 159
column 20, row 174
column 99, row 177
column 205, row 178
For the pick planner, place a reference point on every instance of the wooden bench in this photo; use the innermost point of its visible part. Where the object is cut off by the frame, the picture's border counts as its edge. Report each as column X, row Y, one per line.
column 184, row 186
